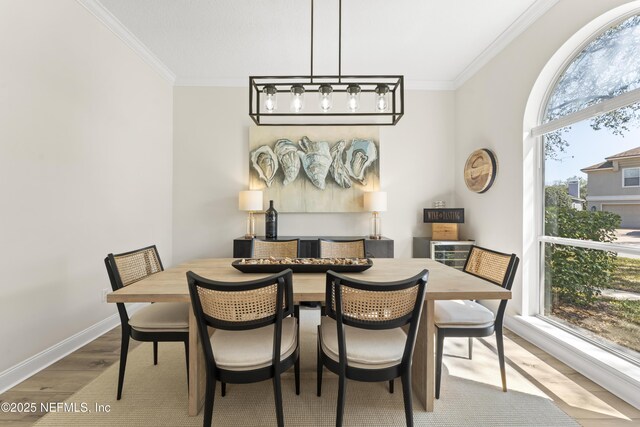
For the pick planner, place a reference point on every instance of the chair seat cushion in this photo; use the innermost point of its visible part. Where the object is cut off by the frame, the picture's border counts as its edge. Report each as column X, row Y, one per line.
column 252, row 348
column 463, row 314
column 366, row 348
column 162, row 317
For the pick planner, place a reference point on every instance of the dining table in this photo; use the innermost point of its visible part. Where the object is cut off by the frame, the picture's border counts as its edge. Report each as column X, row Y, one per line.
column 444, row 283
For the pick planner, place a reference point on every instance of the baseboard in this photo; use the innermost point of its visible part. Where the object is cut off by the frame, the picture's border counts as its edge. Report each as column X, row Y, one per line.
column 611, row 372
column 23, row 370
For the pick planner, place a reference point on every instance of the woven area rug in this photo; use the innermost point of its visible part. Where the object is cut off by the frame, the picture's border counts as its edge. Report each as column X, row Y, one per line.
column 157, row 396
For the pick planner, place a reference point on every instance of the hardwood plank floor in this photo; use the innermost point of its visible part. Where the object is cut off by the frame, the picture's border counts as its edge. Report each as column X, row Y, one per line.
column 578, row 396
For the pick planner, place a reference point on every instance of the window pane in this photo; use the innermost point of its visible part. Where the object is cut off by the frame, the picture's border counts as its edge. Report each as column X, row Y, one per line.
column 595, row 293
column 607, row 67
column 592, row 179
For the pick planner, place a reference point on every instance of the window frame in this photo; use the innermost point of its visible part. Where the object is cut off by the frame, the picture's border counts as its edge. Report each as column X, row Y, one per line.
column 636, row 177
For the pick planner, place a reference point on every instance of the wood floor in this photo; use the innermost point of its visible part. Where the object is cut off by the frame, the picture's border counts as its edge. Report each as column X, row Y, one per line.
column 579, row 397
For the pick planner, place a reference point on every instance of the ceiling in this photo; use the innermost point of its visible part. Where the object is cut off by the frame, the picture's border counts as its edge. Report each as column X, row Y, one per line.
column 435, row 44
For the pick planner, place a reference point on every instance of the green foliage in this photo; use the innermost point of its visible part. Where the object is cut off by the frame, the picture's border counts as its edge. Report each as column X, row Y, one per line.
column 557, row 196
column 576, row 274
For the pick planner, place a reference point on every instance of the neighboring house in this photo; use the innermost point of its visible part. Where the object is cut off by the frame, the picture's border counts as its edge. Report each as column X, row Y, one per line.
column 573, row 188
column 614, row 186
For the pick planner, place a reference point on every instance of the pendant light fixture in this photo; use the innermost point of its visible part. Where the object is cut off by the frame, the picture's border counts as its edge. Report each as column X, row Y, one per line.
column 342, row 99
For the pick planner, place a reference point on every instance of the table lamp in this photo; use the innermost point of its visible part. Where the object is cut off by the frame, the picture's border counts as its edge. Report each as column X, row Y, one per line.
column 250, row 201
column 375, row 202
column 444, row 222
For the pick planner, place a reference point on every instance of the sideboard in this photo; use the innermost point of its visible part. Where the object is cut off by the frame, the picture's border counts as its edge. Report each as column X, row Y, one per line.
column 374, row 248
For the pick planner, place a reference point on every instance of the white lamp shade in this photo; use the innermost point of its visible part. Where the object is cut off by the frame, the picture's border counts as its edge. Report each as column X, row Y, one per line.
column 250, row 200
column 375, row 201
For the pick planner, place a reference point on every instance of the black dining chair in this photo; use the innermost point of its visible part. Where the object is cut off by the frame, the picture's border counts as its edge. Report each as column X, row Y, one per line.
column 166, row 321
column 341, row 248
column 361, row 337
column 256, row 335
column 457, row 318
column 275, row 248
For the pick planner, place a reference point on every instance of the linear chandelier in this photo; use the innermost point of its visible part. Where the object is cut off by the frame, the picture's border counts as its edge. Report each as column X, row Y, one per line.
column 333, row 100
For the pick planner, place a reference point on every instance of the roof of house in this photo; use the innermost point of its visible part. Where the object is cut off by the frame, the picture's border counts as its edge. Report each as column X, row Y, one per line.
column 634, row 152
column 599, row 166
column 608, row 164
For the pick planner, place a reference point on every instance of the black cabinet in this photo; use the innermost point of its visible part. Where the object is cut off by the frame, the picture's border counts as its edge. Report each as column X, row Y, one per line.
column 309, row 248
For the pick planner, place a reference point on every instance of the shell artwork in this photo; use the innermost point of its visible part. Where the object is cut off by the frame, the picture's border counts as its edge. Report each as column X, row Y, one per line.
column 287, row 153
column 265, row 162
column 316, row 160
column 337, row 168
column 360, row 155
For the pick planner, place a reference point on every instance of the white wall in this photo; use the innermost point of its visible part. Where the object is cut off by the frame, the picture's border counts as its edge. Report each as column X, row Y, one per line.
column 490, row 110
column 211, row 149
column 85, row 169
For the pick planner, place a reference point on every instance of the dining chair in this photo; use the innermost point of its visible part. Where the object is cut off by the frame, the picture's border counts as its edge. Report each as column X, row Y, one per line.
column 275, row 248
column 166, row 321
column 457, row 318
column 341, row 248
column 361, row 337
column 251, row 319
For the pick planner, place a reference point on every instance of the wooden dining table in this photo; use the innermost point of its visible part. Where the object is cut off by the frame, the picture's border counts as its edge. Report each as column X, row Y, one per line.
column 445, row 283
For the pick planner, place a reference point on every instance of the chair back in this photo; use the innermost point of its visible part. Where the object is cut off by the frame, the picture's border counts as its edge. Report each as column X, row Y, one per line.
column 275, row 248
column 241, row 306
column 495, row 267
column 341, row 248
column 130, row 267
column 376, row 305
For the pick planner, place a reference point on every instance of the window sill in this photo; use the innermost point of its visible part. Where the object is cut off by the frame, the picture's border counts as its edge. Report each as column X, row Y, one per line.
column 617, row 375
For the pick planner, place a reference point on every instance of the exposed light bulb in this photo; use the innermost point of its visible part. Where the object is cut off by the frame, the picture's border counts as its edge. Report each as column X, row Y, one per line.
column 325, row 93
column 353, row 98
column 297, row 98
column 381, row 97
column 270, row 100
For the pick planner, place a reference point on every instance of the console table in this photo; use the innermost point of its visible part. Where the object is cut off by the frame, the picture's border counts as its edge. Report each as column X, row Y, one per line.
column 309, row 248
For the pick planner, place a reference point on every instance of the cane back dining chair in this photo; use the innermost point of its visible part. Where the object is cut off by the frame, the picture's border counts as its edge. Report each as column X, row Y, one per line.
column 341, row 248
column 166, row 321
column 251, row 319
column 275, row 248
column 361, row 337
column 457, row 318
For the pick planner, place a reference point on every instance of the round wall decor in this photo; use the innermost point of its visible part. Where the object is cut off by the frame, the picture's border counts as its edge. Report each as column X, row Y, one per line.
column 480, row 170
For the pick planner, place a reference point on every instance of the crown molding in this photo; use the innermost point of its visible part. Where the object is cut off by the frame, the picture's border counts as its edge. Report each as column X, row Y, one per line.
column 528, row 17
column 112, row 23
column 434, row 85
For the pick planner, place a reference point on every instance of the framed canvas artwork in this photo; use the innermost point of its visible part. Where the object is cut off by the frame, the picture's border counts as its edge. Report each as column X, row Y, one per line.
column 314, row 169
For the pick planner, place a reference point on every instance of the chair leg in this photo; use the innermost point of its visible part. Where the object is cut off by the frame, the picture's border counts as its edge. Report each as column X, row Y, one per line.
column 277, row 391
column 124, row 349
column 223, row 388
column 391, row 386
column 208, row 401
column 155, row 352
column 186, row 356
column 500, row 345
column 319, row 368
column 342, row 385
column 406, row 394
column 439, row 350
column 470, row 347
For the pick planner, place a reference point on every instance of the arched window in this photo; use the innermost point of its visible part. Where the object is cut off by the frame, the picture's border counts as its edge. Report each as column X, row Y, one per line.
column 590, row 201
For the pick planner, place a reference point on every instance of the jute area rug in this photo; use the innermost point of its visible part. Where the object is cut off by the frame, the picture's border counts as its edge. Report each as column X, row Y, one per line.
column 157, row 395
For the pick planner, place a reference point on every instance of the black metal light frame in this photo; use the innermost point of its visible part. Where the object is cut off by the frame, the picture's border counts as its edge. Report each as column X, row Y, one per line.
column 339, row 83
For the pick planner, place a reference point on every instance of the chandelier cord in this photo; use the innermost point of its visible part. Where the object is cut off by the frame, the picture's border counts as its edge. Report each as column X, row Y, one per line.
column 311, row 41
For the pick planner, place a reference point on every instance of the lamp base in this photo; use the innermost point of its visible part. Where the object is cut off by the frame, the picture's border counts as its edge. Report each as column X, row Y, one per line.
column 378, row 237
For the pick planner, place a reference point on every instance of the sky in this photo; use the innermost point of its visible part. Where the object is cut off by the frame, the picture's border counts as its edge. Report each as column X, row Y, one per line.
column 587, row 147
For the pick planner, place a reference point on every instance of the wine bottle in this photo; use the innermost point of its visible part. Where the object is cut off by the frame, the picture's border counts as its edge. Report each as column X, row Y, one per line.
column 271, row 222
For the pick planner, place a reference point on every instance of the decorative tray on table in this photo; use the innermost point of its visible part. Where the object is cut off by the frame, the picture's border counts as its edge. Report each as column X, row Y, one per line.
column 302, row 265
